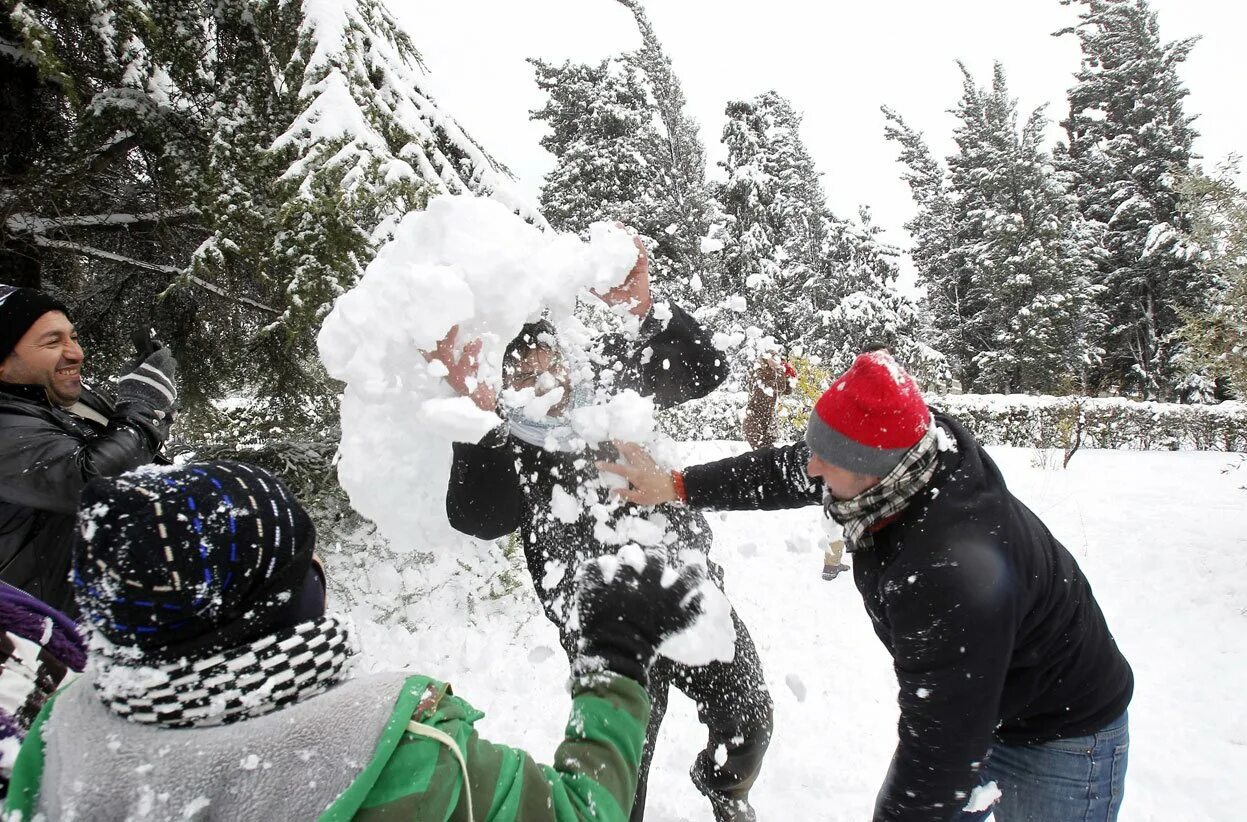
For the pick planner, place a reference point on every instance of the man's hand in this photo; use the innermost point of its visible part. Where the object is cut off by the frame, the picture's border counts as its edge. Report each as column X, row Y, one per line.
column 461, row 370
column 648, row 483
column 634, row 292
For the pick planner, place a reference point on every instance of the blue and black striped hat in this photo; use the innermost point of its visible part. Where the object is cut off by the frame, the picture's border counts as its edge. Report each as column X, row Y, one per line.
column 185, row 560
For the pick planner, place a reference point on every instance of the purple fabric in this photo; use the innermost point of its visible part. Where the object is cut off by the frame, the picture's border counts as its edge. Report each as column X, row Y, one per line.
column 27, row 617
column 9, row 728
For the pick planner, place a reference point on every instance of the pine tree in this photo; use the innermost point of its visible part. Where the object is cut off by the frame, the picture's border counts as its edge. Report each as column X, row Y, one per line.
column 811, row 281
column 625, row 149
column 1129, row 140
column 220, row 169
column 687, row 197
column 1216, row 357
column 604, row 138
column 1000, row 248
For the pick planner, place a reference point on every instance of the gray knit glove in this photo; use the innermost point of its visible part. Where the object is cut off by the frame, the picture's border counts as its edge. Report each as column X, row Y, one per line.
column 147, row 394
column 150, row 382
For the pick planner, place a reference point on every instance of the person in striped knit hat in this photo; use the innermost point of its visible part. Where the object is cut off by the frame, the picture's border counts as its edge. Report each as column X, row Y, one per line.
column 219, row 687
column 1009, row 679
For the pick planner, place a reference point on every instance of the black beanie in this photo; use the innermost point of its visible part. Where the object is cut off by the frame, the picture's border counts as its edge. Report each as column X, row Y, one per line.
column 20, row 308
column 184, row 561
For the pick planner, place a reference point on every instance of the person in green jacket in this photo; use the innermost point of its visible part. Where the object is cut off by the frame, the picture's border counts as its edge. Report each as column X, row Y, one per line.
column 218, row 686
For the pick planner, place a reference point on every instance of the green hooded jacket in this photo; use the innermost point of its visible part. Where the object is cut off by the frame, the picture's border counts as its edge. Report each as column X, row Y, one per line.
column 415, row 773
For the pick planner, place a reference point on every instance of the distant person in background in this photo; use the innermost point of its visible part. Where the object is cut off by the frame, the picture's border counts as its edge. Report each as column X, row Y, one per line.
column 222, row 690
column 1008, row 675
column 833, row 559
column 57, row 434
column 40, row 649
column 772, row 378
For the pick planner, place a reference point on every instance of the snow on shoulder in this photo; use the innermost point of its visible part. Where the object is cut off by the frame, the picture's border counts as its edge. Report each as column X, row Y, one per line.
column 467, row 262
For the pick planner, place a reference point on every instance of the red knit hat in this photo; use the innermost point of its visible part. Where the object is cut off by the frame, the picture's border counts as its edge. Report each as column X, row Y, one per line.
column 869, row 417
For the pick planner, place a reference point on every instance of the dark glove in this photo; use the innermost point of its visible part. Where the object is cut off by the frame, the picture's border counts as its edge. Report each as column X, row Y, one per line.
column 623, row 620
column 146, row 392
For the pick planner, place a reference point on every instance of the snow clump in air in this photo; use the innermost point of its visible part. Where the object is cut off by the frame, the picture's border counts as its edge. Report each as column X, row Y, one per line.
column 466, row 262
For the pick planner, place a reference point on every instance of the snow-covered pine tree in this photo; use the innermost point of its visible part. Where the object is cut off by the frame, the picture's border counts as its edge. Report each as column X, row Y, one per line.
column 811, row 282
column 999, row 247
column 220, row 169
column 605, row 141
column 1216, row 357
column 626, row 150
column 1129, row 141
column 687, row 196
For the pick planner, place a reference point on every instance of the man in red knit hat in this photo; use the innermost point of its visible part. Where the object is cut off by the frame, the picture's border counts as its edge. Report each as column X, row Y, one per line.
column 1009, row 678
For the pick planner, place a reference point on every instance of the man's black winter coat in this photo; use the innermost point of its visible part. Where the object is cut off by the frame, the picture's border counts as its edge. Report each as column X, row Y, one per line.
column 993, row 629
column 47, row 455
column 503, row 484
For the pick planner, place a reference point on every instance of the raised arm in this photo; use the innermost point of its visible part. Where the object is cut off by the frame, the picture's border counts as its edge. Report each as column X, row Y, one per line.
column 672, row 359
column 763, row 480
column 44, row 468
column 674, row 362
column 594, row 771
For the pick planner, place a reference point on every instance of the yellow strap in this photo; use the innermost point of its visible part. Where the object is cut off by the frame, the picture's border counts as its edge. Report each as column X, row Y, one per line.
column 441, row 736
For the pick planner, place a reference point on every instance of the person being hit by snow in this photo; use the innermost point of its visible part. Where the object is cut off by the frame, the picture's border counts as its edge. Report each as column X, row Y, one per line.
column 56, row 434
column 772, row 378
column 40, row 648
column 1007, row 670
column 514, row 477
column 219, row 686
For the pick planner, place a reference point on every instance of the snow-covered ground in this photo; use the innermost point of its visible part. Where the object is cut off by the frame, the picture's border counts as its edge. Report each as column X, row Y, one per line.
column 1161, row 535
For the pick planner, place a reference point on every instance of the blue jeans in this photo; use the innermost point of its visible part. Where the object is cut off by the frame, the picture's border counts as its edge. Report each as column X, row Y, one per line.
column 1080, row 779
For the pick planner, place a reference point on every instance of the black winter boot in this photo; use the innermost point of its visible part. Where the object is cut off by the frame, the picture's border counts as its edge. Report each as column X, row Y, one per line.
column 733, row 808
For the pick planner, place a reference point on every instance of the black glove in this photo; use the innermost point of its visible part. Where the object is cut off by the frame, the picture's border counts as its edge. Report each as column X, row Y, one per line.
column 146, row 392
column 625, row 619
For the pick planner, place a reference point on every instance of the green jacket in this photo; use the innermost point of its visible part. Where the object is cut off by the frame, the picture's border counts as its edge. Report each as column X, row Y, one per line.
column 413, row 774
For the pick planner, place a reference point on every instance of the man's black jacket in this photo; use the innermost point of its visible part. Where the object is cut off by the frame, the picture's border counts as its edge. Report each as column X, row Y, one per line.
column 503, row 484
column 993, row 630
column 47, row 455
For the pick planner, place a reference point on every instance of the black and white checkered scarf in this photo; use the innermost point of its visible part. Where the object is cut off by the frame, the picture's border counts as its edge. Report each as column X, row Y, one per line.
column 889, row 497
column 237, row 683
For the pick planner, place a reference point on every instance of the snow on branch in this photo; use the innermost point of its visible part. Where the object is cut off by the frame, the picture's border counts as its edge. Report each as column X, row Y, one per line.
column 23, row 223
column 100, row 254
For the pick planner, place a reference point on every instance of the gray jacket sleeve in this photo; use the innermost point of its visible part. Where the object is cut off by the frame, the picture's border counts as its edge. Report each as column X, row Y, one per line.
column 45, row 467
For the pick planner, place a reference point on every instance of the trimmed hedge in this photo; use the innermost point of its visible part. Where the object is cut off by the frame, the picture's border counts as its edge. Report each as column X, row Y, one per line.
column 1014, row 419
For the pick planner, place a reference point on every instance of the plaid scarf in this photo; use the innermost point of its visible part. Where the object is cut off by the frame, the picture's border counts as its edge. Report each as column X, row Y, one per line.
column 889, row 497
column 237, row 683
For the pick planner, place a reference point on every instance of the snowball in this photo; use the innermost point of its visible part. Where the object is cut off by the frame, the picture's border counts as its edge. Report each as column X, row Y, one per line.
column 711, row 637
column 467, row 262
column 982, row 798
column 563, row 505
column 795, row 685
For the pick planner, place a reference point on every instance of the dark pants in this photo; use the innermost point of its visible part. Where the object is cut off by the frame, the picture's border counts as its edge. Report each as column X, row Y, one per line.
column 734, row 705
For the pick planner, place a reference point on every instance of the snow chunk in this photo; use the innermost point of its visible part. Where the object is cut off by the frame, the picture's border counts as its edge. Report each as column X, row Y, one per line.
column 564, row 506
column 711, row 637
column 467, row 262
column 982, row 798
column 795, row 685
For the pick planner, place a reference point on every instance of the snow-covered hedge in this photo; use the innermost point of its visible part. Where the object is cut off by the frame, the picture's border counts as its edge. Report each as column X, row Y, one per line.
column 1015, row 419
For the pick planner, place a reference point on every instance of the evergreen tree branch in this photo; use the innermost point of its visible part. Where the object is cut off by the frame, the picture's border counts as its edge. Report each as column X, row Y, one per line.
column 100, row 254
column 23, row 223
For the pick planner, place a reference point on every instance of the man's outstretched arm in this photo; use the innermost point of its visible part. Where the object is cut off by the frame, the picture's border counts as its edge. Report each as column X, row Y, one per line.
column 763, row 480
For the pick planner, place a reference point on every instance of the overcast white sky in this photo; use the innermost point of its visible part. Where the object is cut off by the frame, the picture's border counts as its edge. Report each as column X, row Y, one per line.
column 837, row 62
